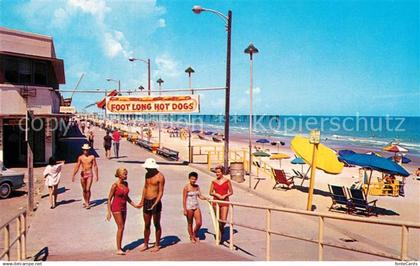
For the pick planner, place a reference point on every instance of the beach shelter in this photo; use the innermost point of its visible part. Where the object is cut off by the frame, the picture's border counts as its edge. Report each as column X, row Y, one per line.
column 374, row 162
column 318, row 156
column 279, row 156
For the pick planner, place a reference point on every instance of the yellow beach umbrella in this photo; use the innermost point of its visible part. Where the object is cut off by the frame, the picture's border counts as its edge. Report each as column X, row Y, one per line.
column 327, row 160
column 318, row 156
column 279, row 156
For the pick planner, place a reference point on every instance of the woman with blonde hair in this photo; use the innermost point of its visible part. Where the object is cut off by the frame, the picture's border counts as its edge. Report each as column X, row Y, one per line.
column 117, row 204
column 221, row 189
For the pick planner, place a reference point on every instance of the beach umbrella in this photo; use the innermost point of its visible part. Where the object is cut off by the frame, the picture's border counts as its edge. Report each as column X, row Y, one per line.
column 298, row 160
column 263, row 141
column 196, row 131
column 279, row 156
column 318, row 156
column 395, row 148
column 327, row 160
column 208, row 133
column 261, row 154
column 405, row 159
column 374, row 162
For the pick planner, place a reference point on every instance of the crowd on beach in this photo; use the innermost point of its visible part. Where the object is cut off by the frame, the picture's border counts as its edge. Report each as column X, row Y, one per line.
column 151, row 196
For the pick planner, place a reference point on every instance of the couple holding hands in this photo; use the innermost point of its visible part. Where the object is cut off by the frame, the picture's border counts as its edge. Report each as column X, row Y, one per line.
column 220, row 189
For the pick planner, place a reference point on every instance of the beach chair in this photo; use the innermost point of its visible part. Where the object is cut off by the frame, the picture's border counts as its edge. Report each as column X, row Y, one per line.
column 358, row 202
column 281, row 179
column 339, row 199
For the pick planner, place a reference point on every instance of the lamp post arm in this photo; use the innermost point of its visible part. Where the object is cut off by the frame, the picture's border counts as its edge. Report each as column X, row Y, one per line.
column 225, row 18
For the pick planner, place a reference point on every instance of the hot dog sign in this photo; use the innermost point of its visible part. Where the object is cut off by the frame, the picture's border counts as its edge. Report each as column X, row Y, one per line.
column 153, row 104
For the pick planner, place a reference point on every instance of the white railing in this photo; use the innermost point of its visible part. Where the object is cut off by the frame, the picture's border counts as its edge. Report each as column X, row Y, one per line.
column 405, row 226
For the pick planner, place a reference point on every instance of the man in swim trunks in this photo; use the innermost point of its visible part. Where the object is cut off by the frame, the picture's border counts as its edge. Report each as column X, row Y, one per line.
column 88, row 163
column 151, row 202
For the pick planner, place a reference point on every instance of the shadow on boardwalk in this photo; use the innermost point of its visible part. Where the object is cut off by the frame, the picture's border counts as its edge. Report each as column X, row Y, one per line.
column 69, row 146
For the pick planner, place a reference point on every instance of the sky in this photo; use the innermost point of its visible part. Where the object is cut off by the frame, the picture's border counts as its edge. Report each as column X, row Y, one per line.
column 315, row 57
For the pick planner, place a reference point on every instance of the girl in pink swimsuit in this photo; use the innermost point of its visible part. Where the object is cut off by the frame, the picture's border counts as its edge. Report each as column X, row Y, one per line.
column 117, row 204
column 221, row 189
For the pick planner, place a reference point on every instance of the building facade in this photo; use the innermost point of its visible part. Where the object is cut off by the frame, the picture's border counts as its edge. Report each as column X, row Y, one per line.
column 30, row 75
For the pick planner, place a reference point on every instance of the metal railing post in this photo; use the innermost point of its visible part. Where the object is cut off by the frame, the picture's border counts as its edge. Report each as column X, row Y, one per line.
column 404, row 242
column 19, row 241
column 231, row 227
column 321, row 239
column 268, row 234
column 23, row 242
column 7, row 241
column 218, row 224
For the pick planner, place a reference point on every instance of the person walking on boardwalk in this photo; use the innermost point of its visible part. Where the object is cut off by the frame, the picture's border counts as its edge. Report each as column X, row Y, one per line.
column 190, row 195
column 116, row 137
column 88, row 163
column 221, row 189
column 91, row 137
column 107, row 144
column 151, row 202
column 52, row 175
column 117, row 204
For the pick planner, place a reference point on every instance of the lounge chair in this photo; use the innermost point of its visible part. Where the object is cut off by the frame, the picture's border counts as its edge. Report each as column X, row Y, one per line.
column 281, row 179
column 359, row 202
column 339, row 198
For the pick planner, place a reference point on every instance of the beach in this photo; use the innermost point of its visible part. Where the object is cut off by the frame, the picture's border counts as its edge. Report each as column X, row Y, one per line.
column 402, row 207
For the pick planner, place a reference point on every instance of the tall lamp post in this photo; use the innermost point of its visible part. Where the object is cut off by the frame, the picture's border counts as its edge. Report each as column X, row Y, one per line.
column 132, row 59
column 251, row 49
column 159, row 81
column 189, row 71
column 228, row 21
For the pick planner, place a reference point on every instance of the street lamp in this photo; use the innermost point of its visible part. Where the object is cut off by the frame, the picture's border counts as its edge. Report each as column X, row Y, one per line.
column 132, row 59
column 159, row 81
column 228, row 23
column 251, row 49
column 189, row 71
column 116, row 81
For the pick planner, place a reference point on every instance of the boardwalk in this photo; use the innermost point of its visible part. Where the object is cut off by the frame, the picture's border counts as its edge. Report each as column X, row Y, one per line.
column 70, row 232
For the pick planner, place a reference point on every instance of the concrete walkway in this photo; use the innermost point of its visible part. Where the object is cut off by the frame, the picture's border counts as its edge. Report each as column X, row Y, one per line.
column 70, row 232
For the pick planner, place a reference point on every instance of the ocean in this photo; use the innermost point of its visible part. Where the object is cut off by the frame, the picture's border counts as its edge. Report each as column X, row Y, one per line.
column 373, row 132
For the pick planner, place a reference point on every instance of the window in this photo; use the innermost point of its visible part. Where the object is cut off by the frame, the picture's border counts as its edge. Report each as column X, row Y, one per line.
column 25, row 72
column 40, row 73
column 11, row 71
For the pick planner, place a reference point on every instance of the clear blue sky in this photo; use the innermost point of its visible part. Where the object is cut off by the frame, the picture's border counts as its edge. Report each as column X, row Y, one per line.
column 316, row 57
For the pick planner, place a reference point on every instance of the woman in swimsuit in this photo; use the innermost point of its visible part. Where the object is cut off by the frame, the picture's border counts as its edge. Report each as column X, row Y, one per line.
column 221, row 189
column 190, row 196
column 117, row 204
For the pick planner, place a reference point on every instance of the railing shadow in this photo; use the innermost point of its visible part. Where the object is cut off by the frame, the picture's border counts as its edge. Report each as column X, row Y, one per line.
column 65, row 202
column 316, row 191
column 42, row 255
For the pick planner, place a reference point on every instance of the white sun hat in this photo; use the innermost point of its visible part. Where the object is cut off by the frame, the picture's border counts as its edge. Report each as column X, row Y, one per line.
column 150, row 163
column 85, row 147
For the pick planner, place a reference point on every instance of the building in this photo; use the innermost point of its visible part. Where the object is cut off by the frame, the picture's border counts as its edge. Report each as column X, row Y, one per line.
column 30, row 75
